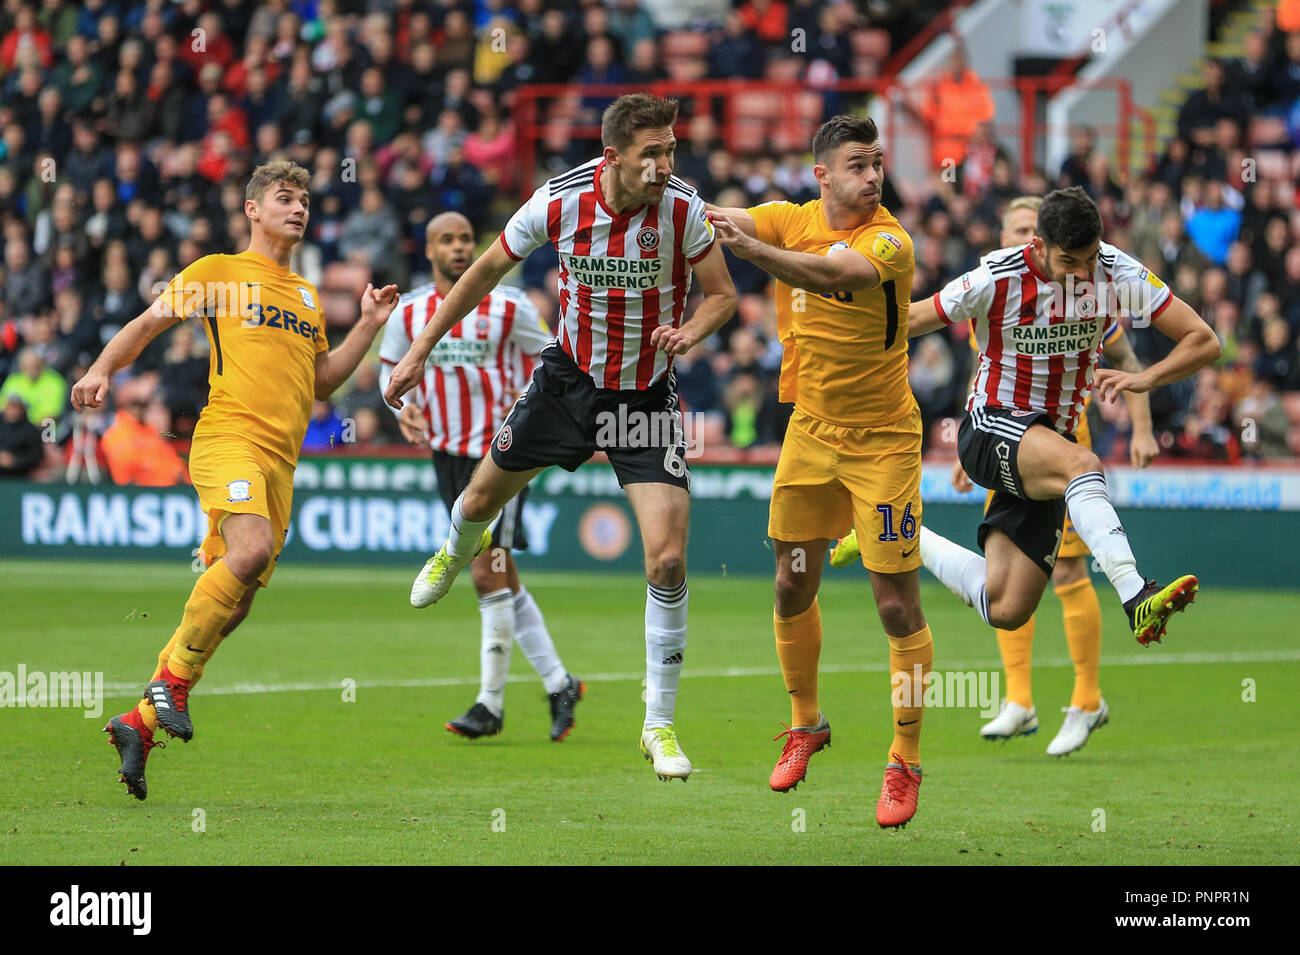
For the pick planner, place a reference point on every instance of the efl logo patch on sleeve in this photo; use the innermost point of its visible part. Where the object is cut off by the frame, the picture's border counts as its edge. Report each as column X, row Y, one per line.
column 1151, row 278
column 307, row 299
column 836, row 246
column 886, row 246
column 239, row 491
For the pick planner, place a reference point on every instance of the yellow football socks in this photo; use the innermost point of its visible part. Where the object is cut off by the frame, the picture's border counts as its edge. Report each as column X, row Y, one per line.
column 905, row 654
column 1016, row 647
column 799, row 647
column 212, row 603
column 1082, row 613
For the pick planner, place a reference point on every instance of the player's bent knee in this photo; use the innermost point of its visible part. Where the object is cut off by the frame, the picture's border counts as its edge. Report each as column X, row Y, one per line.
column 1084, row 462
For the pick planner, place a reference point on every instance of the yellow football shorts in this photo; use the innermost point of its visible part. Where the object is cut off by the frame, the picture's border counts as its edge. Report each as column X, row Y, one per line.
column 831, row 478
column 1072, row 544
column 235, row 476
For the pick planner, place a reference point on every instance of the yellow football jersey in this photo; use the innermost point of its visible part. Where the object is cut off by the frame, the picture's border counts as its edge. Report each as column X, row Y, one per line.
column 845, row 358
column 265, row 328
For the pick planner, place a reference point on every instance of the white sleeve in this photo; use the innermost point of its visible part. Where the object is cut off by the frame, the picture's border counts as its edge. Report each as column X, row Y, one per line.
column 967, row 296
column 526, row 229
column 392, row 349
column 528, row 331
column 698, row 237
column 1138, row 289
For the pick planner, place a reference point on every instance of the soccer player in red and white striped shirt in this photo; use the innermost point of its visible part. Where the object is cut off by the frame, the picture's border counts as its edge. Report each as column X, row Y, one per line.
column 470, row 381
column 629, row 235
column 1039, row 313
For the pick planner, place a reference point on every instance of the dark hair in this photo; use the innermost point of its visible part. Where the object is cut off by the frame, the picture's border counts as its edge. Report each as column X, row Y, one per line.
column 842, row 129
column 1069, row 219
column 628, row 115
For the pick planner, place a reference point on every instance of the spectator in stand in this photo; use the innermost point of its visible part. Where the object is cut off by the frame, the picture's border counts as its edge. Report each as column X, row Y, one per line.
column 1213, row 227
column 370, row 234
column 766, row 19
column 42, row 389
column 1279, row 363
column 1262, row 422
column 26, row 283
column 736, row 52
column 1205, row 107
column 136, row 451
column 952, row 106
column 21, row 450
column 491, row 150
column 324, row 428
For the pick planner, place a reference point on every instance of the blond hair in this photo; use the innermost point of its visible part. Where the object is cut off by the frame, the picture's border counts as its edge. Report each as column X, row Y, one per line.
column 268, row 174
column 1020, row 202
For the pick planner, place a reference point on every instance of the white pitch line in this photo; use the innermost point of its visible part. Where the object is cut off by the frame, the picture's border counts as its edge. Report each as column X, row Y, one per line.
column 1147, row 659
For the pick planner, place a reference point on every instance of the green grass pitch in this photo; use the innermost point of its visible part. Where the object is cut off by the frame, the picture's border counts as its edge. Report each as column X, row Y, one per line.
column 1186, row 772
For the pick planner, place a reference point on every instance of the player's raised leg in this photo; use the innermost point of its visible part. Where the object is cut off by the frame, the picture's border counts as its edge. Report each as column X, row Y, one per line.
column 489, row 490
column 1052, row 467
column 796, row 618
column 663, row 513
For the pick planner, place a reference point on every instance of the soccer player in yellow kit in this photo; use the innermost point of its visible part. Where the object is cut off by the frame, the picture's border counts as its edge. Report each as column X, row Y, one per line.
column 852, row 451
column 269, row 358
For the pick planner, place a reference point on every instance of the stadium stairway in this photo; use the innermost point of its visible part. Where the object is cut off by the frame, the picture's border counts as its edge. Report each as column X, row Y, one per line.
column 1229, row 44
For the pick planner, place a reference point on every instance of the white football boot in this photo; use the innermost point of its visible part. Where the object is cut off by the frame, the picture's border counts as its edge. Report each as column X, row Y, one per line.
column 439, row 572
column 660, row 745
column 1077, row 728
column 1012, row 720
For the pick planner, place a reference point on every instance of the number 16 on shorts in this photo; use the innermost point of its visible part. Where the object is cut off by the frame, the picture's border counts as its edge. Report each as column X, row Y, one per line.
column 906, row 525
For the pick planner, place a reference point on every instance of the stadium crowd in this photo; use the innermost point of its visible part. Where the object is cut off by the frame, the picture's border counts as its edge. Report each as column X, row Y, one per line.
column 128, row 130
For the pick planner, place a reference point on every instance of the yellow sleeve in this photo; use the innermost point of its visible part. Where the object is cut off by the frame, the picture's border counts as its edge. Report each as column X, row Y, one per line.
column 888, row 248
column 772, row 219
column 190, row 291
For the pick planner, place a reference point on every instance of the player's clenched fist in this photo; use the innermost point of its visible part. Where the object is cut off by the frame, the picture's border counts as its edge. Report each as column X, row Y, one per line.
column 672, row 341
column 89, row 392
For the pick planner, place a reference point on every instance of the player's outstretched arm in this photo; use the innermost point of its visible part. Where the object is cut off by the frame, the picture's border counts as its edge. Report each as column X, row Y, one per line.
column 737, row 217
column 1142, row 446
column 1197, row 347
column 719, row 305
column 121, row 350
column 336, row 365
column 923, row 317
column 840, row 270
column 470, row 289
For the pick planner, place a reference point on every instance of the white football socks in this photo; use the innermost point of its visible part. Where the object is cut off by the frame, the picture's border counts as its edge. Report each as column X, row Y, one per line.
column 962, row 571
column 665, row 643
column 1097, row 523
column 463, row 538
column 497, row 613
column 535, row 641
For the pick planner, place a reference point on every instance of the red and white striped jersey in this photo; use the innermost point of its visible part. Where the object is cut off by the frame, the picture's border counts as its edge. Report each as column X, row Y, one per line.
column 621, row 276
column 475, row 373
column 1039, row 342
